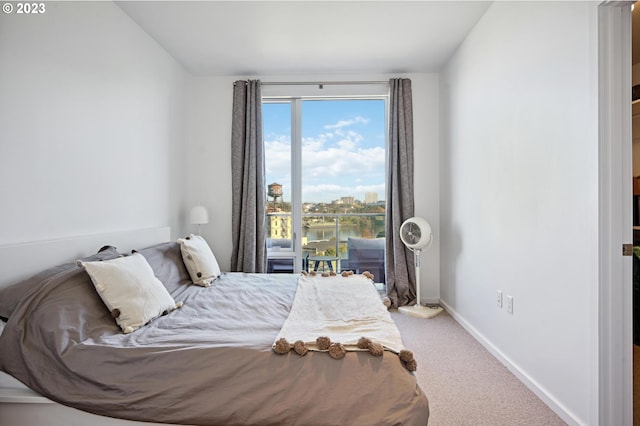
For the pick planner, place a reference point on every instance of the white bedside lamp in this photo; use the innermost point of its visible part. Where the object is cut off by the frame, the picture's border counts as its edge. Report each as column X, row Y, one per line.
column 199, row 216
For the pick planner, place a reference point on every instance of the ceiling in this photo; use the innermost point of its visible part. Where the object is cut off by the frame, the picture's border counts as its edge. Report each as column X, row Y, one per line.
column 307, row 37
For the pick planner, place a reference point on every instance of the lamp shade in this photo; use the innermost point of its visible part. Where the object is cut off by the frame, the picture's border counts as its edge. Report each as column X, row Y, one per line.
column 199, row 215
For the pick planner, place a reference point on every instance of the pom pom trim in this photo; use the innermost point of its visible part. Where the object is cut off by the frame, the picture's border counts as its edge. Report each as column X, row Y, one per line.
column 337, row 350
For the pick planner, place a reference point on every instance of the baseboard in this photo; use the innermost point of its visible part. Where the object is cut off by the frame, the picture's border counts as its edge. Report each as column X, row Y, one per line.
column 535, row 387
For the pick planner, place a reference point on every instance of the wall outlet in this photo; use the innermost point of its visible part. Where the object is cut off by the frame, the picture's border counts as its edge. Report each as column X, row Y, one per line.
column 499, row 299
column 510, row 304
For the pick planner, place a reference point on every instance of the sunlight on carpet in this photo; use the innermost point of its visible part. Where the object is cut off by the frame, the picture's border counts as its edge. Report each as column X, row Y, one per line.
column 420, row 311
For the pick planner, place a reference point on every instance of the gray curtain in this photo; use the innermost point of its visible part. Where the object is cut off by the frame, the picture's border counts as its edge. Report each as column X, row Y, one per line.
column 247, row 174
column 401, row 279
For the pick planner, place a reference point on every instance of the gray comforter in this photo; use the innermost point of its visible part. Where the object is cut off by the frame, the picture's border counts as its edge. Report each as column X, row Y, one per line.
column 208, row 363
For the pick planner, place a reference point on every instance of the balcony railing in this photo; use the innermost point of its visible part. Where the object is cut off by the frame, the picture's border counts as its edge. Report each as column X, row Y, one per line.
column 341, row 241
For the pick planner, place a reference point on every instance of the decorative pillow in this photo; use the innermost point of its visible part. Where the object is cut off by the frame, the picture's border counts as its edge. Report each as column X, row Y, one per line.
column 199, row 260
column 166, row 261
column 11, row 296
column 130, row 290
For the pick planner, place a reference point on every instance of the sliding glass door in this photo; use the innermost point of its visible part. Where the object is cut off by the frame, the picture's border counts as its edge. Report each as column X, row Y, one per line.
column 325, row 172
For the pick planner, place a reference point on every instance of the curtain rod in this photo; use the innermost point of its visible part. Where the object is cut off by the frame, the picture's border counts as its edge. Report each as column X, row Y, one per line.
column 318, row 83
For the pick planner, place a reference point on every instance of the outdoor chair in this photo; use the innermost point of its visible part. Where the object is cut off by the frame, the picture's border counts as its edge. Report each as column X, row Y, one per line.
column 365, row 254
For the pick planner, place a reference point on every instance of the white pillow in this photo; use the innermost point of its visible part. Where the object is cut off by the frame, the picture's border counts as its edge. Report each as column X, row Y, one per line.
column 199, row 260
column 130, row 290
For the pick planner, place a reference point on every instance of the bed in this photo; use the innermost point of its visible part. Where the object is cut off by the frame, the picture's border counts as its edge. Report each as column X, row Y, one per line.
column 210, row 362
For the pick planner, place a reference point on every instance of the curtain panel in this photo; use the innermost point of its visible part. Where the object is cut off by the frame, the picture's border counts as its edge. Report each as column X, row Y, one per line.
column 400, row 269
column 247, row 173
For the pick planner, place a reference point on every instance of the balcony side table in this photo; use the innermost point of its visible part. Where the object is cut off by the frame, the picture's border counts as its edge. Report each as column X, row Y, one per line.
column 328, row 262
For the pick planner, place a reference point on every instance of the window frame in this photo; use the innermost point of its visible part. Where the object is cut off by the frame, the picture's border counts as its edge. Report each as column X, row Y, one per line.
column 296, row 100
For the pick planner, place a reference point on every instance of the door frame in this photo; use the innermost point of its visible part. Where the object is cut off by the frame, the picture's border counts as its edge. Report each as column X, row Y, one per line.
column 613, row 380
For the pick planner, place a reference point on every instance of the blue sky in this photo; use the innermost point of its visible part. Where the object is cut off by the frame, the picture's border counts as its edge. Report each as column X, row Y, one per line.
column 343, row 150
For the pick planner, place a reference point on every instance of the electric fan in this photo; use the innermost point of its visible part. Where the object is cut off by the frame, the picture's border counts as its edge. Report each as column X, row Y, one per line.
column 416, row 234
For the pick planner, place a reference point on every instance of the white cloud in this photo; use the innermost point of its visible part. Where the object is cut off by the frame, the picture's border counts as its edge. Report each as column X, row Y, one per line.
column 334, row 163
column 347, row 145
column 343, row 162
column 344, row 123
column 278, row 159
column 313, row 144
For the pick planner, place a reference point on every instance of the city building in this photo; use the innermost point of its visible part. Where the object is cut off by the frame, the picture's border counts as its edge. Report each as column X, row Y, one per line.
column 347, row 200
column 370, row 197
column 279, row 226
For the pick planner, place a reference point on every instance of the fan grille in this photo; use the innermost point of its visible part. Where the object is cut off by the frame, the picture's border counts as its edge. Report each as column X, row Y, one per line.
column 411, row 233
column 415, row 233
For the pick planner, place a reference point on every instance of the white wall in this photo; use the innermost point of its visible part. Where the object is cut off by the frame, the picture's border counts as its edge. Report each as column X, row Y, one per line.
column 519, row 194
column 210, row 159
column 91, row 125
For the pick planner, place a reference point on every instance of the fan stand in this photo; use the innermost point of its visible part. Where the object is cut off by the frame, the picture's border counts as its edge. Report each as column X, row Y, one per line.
column 417, row 310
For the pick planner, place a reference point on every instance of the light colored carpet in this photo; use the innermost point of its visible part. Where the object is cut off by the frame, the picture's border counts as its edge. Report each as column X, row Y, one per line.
column 464, row 383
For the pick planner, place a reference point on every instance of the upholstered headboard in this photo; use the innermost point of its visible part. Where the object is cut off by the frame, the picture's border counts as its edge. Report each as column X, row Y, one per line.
column 19, row 261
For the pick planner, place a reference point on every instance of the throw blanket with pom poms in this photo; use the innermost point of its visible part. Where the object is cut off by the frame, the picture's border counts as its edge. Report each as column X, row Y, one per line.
column 336, row 314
